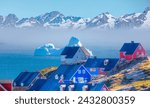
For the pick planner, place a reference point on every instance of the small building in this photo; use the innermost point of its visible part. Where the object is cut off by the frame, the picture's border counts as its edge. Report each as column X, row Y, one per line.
column 101, row 86
column 81, row 75
column 100, row 66
column 130, row 51
column 73, row 55
column 6, row 85
column 25, row 80
column 49, row 85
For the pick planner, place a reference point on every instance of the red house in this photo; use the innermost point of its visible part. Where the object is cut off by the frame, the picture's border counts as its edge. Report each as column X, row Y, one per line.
column 6, row 86
column 130, row 51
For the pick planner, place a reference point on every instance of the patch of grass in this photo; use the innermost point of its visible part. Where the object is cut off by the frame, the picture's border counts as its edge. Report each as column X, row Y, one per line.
column 48, row 70
column 141, row 84
column 148, row 77
column 116, row 81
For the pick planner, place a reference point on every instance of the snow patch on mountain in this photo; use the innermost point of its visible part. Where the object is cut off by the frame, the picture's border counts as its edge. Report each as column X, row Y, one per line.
column 146, row 23
column 56, row 20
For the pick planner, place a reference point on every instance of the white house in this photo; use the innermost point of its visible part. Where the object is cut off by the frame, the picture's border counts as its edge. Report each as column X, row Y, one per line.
column 73, row 55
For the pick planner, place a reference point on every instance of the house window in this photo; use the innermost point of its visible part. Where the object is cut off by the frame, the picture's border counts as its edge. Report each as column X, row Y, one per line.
column 22, row 84
column 142, row 54
column 80, row 79
column 124, row 53
column 92, row 69
column 79, row 71
column 56, row 77
column 74, row 79
column 83, row 71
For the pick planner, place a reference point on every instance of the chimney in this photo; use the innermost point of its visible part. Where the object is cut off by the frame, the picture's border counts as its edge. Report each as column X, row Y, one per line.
column 132, row 41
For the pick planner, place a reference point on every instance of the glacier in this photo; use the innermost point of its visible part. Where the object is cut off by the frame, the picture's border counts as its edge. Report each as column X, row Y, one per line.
column 50, row 50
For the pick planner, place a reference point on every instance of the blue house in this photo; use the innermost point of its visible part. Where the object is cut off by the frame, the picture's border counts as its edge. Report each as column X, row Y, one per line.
column 47, row 85
column 100, row 66
column 75, row 73
column 25, row 80
column 82, row 75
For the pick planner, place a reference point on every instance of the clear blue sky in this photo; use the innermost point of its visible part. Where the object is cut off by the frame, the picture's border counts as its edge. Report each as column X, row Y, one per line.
column 84, row 8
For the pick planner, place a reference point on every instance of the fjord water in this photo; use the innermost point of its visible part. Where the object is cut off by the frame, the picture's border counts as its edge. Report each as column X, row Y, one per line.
column 12, row 64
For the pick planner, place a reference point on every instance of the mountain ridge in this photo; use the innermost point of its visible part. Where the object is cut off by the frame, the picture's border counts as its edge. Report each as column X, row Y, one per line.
column 56, row 19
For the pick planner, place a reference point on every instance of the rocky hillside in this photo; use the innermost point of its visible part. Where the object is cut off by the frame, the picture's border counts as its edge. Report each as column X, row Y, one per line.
column 135, row 77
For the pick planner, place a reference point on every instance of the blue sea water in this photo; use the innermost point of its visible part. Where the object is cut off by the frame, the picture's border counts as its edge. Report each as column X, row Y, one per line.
column 12, row 64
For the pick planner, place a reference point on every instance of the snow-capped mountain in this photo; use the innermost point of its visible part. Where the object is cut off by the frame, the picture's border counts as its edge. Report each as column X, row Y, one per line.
column 134, row 20
column 56, row 19
column 104, row 20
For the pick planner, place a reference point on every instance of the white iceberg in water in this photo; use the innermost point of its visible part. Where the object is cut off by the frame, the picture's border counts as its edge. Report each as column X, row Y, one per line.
column 47, row 50
column 50, row 50
column 74, row 42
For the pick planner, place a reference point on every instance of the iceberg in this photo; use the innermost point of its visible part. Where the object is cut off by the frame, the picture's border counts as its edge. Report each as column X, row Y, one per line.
column 47, row 50
column 50, row 50
column 74, row 42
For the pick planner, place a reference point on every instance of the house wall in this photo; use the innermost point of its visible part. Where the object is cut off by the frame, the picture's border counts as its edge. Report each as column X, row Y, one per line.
column 81, row 76
column 63, row 59
column 139, row 52
column 78, row 57
column 128, row 57
column 122, row 55
column 8, row 86
column 102, row 72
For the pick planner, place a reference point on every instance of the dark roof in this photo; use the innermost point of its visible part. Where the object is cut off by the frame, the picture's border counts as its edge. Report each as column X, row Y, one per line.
column 99, row 63
column 51, row 84
column 45, row 85
column 26, row 78
column 66, row 70
column 129, row 48
column 70, row 51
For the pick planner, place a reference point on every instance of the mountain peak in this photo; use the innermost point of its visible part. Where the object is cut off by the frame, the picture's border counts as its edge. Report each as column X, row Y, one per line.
column 146, row 10
column 55, row 12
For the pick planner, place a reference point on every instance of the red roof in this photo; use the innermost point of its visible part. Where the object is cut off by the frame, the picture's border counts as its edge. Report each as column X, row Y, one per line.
column 5, row 85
